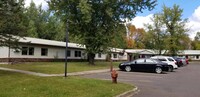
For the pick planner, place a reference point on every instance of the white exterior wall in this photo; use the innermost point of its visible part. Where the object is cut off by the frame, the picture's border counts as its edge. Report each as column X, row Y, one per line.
column 124, row 57
column 119, row 57
column 194, row 57
column 3, row 52
column 103, row 57
column 53, row 52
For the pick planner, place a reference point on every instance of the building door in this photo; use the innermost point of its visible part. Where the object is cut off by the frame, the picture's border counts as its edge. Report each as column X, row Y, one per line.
column 130, row 56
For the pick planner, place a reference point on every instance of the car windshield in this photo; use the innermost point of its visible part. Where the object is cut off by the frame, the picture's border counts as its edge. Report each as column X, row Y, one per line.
column 170, row 59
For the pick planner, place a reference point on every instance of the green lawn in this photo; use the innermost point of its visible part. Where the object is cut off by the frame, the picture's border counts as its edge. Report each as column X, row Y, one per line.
column 20, row 85
column 58, row 67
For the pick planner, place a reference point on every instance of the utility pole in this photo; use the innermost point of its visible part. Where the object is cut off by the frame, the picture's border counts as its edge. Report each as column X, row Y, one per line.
column 9, row 50
column 66, row 48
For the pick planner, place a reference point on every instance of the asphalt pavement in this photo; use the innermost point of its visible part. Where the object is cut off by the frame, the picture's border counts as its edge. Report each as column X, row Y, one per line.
column 183, row 82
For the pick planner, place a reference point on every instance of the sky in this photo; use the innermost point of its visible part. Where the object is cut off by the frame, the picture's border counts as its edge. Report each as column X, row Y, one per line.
column 191, row 11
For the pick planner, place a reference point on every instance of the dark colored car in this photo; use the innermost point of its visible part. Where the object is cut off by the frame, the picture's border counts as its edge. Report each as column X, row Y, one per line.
column 181, row 61
column 146, row 64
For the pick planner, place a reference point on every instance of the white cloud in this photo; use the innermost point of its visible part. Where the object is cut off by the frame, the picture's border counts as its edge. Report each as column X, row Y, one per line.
column 37, row 2
column 194, row 23
column 139, row 21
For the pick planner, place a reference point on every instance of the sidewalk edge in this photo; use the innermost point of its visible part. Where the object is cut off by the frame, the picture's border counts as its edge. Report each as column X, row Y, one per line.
column 129, row 93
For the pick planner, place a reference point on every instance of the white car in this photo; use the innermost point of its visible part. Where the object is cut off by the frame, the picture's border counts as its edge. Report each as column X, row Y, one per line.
column 166, row 59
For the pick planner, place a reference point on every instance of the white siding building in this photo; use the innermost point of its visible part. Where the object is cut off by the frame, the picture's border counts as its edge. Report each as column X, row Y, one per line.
column 33, row 49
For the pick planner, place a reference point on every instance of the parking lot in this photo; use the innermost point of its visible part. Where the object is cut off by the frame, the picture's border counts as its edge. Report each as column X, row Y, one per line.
column 183, row 82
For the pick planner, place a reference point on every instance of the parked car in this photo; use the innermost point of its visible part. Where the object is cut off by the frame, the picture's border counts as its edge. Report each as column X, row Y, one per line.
column 146, row 64
column 169, row 60
column 181, row 61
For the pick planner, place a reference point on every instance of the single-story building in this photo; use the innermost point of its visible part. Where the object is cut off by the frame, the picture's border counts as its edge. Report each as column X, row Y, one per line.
column 34, row 49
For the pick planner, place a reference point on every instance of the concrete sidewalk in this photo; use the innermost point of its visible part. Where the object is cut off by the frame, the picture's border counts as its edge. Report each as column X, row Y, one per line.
column 48, row 75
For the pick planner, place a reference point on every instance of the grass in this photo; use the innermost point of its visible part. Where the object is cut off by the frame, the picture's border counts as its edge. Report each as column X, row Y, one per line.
column 21, row 85
column 58, row 67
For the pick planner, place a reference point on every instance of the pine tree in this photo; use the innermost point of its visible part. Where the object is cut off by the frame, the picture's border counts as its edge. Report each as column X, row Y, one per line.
column 11, row 22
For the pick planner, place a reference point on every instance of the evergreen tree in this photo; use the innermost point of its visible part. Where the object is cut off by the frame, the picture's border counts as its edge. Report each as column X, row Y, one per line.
column 11, row 22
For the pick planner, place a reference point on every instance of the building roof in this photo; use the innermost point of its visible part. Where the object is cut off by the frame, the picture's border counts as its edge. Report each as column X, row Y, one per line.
column 50, row 42
column 80, row 46
column 58, row 43
column 140, row 51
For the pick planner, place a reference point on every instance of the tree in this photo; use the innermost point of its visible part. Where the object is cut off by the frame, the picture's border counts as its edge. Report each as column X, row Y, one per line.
column 175, row 28
column 197, row 37
column 155, row 34
column 44, row 24
column 119, row 38
column 31, row 14
column 135, row 37
column 196, row 42
column 11, row 22
column 95, row 20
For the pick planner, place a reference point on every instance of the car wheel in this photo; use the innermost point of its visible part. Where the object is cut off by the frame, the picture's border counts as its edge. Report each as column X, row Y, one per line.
column 170, row 69
column 128, row 68
column 158, row 70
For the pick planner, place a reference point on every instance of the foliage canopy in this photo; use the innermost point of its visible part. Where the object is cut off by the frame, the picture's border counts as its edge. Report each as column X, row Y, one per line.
column 96, row 20
column 11, row 22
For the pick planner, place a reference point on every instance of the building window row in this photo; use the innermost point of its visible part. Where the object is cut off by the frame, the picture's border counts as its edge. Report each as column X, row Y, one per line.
column 114, row 55
column 44, row 52
column 27, row 50
column 99, row 55
column 31, row 51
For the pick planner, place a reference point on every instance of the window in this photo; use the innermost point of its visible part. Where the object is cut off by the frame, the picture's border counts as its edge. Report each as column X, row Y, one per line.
column 77, row 53
column 68, row 53
column 24, row 50
column 44, row 52
column 27, row 50
column 31, row 51
column 140, row 61
column 149, row 61
column 197, row 57
column 170, row 59
column 114, row 55
column 162, row 59
column 99, row 55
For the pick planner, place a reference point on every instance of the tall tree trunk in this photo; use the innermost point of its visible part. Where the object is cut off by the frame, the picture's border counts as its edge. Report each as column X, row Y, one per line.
column 91, row 58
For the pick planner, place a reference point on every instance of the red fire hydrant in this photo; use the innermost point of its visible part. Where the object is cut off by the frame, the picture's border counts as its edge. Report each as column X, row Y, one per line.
column 114, row 76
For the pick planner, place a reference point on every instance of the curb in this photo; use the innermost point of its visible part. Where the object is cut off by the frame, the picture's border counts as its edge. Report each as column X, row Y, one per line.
column 129, row 93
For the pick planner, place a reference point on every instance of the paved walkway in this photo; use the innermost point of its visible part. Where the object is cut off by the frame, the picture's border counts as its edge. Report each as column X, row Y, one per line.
column 48, row 75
